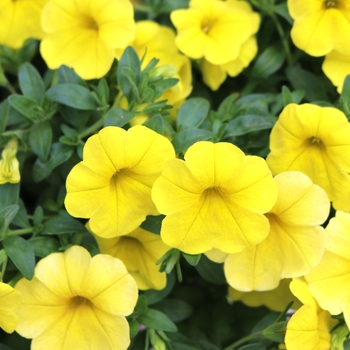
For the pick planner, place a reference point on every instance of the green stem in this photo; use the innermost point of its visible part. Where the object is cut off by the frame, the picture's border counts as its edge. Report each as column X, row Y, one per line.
column 19, row 232
column 283, row 37
column 10, row 88
column 244, row 340
column 90, row 130
column 141, row 8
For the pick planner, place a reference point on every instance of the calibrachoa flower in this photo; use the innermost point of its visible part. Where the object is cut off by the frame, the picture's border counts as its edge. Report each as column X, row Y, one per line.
column 139, row 251
column 215, row 75
column 20, row 20
column 112, row 185
column 310, row 326
column 215, row 198
column 84, row 34
column 77, row 302
column 276, row 299
column 214, row 29
column 9, row 165
column 316, row 141
column 295, row 243
column 329, row 282
column 336, row 66
column 320, row 26
column 9, row 301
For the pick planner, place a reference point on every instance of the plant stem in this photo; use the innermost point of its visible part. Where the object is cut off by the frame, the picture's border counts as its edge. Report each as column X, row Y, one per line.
column 244, row 340
column 141, row 8
column 19, row 232
column 10, row 88
column 90, row 130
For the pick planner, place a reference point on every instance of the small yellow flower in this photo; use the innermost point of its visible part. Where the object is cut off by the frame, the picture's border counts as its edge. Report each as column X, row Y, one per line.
column 329, row 282
column 139, row 251
column 276, row 299
column 112, row 185
column 320, row 26
column 336, row 66
column 215, row 75
column 295, row 243
column 77, row 302
column 9, row 301
column 84, row 34
column 9, row 165
column 20, row 20
column 316, row 141
column 215, row 198
column 214, row 29
column 310, row 326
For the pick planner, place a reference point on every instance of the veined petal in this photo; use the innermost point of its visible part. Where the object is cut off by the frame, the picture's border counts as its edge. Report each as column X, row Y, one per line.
column 213, row 75
column 300, row 289
column 216, row 255
column 296, row 192
column 40, row 308
column 109, row 286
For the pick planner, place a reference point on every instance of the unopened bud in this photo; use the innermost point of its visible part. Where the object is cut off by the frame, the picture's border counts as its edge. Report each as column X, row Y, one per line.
column 9, row 165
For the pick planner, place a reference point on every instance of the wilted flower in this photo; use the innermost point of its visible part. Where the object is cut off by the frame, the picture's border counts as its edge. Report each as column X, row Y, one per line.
column 214, row 30
column 139, row 251
column 84, row 34
column 320, row 26
column 9, row 165
column 20, row 20
column 112, row 185
column 316, row 141
column 215, row 198
column 77, row 302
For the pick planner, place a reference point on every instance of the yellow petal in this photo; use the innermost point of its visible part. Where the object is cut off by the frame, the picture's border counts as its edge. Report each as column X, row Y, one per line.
column 213, row 75
column 10, row 299
column 216, row 255
column 300, row 289
column 298, row 8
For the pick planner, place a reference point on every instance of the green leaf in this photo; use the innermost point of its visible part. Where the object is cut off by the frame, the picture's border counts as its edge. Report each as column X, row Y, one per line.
column 6, row 216
column 43, row 246
column 156, row 320
column 38, row 215
column 134, row 328
column 64, row 223
column 153, row 223
column 346, row 344
column 268, row 62
column 72, row 95
column 9, row 194
column 21, row 218
column 177, row 310
column 22, row 255
column 31, row 83
column 247, row 123
column 142, row 304
column 103, row 90
column 272, row 332
column 210, row 271
column 291, row 97
column 67, row 75
column 4, row 114
column 154, row 296
column 59, row 153
column 40, row 138
column 163, row 85
column 130, row 60
column 225, row 107
column 344, row 99
column 156, row 123
column 282, row 10
column 186, row 138
column 193, row 260
column 265, row 322
column 118, row 117
column 25, row 106
column 255, row 346
column 192, row 113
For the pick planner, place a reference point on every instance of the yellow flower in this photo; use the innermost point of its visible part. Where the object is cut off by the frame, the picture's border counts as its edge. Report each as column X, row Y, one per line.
column 215, row 75
column 84, row 34
column 9, row 301
column 336, row 66
column 215, row 198
column 139, row 251
column 329, row 282
column 214, row 29
column 77, row 302
column 316, row 141
column 112, row 185
column 295, row 243
column 159, row 42
column 20, row 20
column 310, row 326
column 321, row 26
column 9, row 165
column 276, row 299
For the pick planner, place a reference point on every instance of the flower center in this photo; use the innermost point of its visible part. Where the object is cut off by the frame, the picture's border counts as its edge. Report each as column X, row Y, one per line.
column 79, row 300
column 89, row 23
column 207, row 25
column 315, row 141
column 331, row 4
